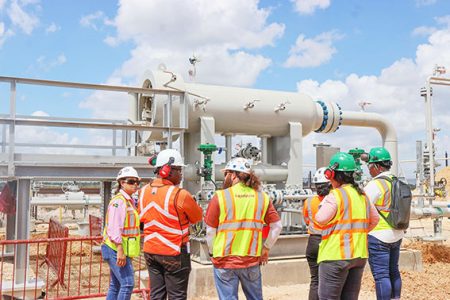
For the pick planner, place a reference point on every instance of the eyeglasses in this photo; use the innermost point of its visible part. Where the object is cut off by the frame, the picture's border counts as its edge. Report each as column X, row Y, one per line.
column 176, row 168
column 132, row 181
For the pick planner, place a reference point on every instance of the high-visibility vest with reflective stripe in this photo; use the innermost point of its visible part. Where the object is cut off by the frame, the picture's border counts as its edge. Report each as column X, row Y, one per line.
column 345, row 236
column 242, row 212
column 131, row 238
column 383, row 203
column 312, row 206
column 164, row 235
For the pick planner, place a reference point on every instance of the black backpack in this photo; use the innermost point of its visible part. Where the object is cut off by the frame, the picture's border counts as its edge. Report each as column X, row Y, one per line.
column 400, row 208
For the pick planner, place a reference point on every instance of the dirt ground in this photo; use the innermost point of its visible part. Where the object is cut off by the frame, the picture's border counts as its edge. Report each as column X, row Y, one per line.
column 431, row 283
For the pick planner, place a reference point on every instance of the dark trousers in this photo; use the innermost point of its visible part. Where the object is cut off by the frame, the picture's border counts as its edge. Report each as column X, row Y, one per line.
column 340, row 279
column 312, row 250
column 169, row 276
column 383, row 261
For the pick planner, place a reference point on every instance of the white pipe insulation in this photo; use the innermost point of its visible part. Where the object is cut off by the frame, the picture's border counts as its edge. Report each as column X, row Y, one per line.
column 386, row 130
column 261, row 112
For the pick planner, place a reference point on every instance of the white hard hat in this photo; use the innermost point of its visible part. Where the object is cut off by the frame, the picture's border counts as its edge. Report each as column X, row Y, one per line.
column 165, row 156
column 319, row 176
column 238, row 164
column 127, row 172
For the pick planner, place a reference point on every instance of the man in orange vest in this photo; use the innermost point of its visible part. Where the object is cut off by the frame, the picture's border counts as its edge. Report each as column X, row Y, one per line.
column 166, row 212
column 310, row 208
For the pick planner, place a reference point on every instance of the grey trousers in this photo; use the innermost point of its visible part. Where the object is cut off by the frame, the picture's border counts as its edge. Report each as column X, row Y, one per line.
column 340, row 279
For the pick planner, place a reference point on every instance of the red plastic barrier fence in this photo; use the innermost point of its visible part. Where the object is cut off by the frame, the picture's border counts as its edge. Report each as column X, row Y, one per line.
column 87, row 275
column 55, row 254
column 95, row 227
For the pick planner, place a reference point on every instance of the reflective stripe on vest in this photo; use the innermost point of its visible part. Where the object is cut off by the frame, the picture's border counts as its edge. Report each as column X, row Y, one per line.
column 345, row 236
column 163, row 234
column 130, row 229
column 242, row 211
column 383, row 203
column 313, row 227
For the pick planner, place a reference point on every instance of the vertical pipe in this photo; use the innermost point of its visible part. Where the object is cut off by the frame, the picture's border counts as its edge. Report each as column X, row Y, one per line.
column 419, row 171
column 133, row 116
column 3, row 138
column 114, row 138
column 169, row 121
column 228, row 141
column 11, row 219
column 264, row 148
column 429, row 127
column 106, row 196
column 12, row 129
column 22, row 229
column 295, row 164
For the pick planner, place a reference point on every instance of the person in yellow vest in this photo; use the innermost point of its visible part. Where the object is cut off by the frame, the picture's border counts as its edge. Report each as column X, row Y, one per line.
column 310, row 208
column 234, row 219
column 166, row 211
column 384, row 241
column 346, row 216
column 121, row 236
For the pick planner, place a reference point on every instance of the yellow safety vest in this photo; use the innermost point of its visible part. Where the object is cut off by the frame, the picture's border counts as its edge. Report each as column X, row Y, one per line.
column 345, row 236
column 383, row 203
column 131, row 238
column 242, row 212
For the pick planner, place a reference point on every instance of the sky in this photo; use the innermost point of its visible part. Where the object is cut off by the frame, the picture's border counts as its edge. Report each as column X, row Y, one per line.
column 347, row 52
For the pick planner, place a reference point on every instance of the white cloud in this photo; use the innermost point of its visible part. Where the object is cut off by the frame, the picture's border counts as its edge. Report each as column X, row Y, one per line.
column 92, row 20
column 423, row 30
column 308, row 7
column 46, row 64
column 425, row 2
column 26, row 21
column 313, row 52
column 40, row 113
column 2, row 4
column 4, row 33
column 52, row 28
column 219, row 32
column 395, row 95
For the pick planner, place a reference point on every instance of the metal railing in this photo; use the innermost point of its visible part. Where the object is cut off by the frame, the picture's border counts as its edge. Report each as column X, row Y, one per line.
column 84, row 271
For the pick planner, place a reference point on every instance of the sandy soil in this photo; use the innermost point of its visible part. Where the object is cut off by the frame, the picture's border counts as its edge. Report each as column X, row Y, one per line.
column 431, row 283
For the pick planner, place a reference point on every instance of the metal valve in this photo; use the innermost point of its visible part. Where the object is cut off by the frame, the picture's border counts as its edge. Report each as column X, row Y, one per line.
column 281, row 106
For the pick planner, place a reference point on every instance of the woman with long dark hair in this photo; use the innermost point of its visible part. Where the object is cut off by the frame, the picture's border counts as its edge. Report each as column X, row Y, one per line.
column 347, row 216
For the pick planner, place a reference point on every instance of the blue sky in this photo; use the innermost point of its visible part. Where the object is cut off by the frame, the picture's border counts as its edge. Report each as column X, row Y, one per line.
column 343, row 51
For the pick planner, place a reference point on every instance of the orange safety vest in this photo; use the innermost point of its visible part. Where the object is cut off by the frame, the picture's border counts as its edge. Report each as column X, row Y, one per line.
column 163, row 231
column 310, row 209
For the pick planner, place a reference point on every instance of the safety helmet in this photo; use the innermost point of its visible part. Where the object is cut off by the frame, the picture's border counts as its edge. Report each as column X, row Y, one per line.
column 127, row 172
column 379, row 154
column 169, row 155
column 238, row 164
column 342, row 161
column 319, row 176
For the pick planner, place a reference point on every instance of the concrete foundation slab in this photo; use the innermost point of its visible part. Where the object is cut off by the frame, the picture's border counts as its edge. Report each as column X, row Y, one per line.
column 281, row 272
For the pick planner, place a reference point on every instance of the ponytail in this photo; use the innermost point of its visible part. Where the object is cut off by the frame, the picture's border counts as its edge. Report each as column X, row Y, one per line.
column 347, row 177
column 250, row 180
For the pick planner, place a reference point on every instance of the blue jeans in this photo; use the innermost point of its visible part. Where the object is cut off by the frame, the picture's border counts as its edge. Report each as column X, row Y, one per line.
column 122, row 278
column 227, row 283
column 383, row 261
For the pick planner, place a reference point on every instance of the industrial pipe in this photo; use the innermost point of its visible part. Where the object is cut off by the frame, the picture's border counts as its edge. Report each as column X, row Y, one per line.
column 386, row 130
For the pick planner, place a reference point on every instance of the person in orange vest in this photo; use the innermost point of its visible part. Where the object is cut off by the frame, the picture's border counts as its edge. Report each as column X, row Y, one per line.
column 347, row 216
column 121, row 236
column 310, row 208
column 166, row 211
column 235, row 219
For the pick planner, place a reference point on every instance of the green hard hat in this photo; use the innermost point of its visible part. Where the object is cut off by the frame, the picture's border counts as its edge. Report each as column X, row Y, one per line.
column 342, row 161
column 379, row 154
